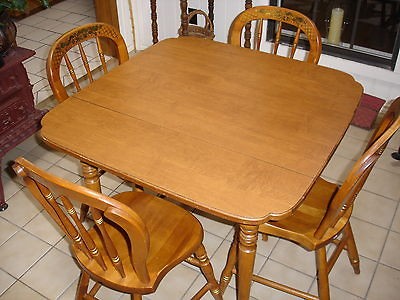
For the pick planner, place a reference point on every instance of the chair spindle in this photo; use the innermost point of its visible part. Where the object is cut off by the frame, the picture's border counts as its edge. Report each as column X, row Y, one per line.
column 295, row 43
column 277, row 37
column 101, row 55
column 72, row 73
column 85, row 62
column 108, row 243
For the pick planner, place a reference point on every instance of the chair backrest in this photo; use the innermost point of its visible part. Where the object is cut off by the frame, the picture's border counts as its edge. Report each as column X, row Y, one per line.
column 77, row 40
column 347, row 193
column 56, row 196
column 282, row 16
column 386, row 121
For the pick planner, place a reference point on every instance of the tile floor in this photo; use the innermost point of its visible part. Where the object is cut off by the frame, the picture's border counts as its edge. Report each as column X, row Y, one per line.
column 35, row 262
column 39, row 31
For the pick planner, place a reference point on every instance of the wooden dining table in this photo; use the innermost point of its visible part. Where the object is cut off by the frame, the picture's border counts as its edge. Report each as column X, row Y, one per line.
column 233, row 132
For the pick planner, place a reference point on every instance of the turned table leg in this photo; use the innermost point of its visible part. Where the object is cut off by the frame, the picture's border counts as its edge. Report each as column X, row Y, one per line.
column 246, row 257
column 92, row 181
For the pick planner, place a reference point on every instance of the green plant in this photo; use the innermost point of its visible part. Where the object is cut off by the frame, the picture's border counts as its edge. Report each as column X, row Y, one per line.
column 18, row 5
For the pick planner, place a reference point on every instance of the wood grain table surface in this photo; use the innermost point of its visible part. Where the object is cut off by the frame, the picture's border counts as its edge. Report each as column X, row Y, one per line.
column 233, row 132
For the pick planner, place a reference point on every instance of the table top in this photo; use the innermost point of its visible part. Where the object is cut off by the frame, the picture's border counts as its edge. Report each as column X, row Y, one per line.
column 237, row 133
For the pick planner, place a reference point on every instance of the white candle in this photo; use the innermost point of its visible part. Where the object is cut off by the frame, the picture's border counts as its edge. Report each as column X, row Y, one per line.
column 335, row 26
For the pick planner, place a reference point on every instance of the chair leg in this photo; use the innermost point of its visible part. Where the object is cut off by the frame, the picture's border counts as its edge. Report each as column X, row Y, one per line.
column 322, row 274
column 136, row 297
column 227, row 272
column 208, row 272
column 83, row 286
column 352, row 249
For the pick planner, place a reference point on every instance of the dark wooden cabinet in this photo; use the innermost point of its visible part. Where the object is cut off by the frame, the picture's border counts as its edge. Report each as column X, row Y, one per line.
column 18, row 117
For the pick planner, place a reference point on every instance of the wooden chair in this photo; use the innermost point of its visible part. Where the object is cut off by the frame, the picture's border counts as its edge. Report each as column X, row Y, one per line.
column 73, row 43
column 324, row 216
column 187, row 29
column 300, row 22
column 135, row 241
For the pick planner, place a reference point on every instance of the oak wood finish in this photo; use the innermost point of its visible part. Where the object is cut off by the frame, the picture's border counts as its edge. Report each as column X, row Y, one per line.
column 136, row 239
column 188, row 116
column 68, row 44
column 73, row 41
column 323, row 217
column 282, row 15
column 107, row 12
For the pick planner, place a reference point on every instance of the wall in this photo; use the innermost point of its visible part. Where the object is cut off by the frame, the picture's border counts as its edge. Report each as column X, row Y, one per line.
column 125, row 20
column 376, row 81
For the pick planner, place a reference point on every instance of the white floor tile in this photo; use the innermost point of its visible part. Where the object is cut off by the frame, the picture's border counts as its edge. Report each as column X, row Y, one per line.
column 31, row 20
column 338, row 168
column 295, row 257
column 30, row 44
column 351, row 147
column 42, row 52
column 213, row 224
column 71, row 164
column 70, row 292
column 52, row 13
column 22, row 208
column 335, row 293
column 390, row 254
column 343, row 277
column 385, row 284
column 364, row 233
column 24, row 30
column 384, row 183
column 63, row 173
column 72, row 18
column 7, row 230
column 280, row 273
column 175, row 284
column 24, row 250
column 63, row 27
column 21, row 291
column 56, row 268
column 396, row 221
column 49, row 40
column 35, row 65
column 6, row 280
column 10, row 186
column 46, row 153
column 375, row 209
column 45, row 228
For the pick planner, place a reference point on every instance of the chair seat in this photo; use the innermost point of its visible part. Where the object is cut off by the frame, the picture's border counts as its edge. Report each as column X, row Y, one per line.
column 174, row 235
column 323, row 217
column 301, row 226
